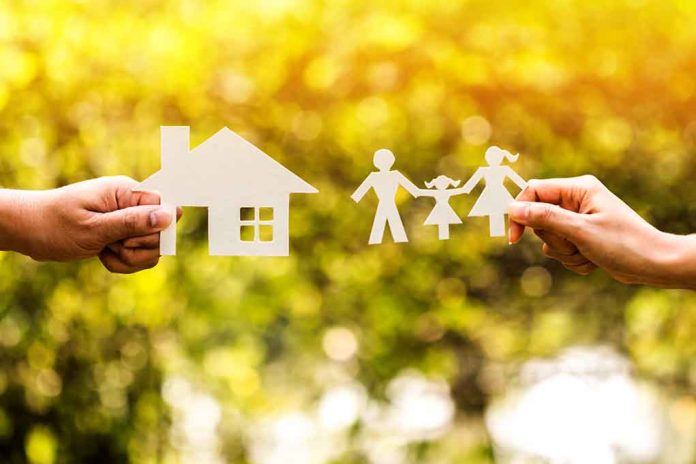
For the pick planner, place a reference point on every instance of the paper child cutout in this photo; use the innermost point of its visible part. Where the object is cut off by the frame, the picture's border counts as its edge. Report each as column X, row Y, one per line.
column 442, row 215
column 495, row 199
column 247, row 192
column 385, row 183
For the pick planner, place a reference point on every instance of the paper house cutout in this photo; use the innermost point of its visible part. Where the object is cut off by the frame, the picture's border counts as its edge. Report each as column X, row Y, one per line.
column 247, row 192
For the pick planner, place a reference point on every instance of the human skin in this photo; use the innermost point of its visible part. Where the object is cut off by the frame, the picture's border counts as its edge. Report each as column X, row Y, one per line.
column 585, row 226
column 96, row 218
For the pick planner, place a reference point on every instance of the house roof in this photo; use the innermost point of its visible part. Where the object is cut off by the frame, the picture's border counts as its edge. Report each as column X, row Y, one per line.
column 225, row 166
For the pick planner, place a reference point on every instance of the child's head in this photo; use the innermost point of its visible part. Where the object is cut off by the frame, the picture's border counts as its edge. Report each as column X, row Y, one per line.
column 384, row 159
column 494, row 156
column 442, row 182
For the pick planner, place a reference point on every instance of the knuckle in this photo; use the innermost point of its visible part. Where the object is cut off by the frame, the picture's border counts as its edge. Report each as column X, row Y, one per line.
column 588, row 178
column 91, row 224
column 546, row 212
column 130, row 243
column 590, row 182
column 128, row 256
column 586, row 269
column 109, row 265
column 533, row 184
column 130, row 222
column 122, row 180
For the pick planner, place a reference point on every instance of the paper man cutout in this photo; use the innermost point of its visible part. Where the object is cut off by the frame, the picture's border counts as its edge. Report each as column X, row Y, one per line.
column 247, row 192
column 385, row 183
column 442, row 215
column 495, row 199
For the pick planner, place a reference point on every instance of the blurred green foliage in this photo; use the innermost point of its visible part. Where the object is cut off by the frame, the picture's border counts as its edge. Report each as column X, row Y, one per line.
column 575, row 86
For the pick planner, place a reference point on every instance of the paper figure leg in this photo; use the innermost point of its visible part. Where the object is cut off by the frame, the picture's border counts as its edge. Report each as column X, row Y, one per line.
column 397, row 227
column 443, row 231
column 168, row 235
column 377, row 234
column 497, row 225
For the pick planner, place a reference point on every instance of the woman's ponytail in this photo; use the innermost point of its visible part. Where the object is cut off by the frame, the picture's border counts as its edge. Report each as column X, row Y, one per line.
column 510, row 157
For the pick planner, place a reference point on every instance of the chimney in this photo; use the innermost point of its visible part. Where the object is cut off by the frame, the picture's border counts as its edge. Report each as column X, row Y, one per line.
column 175, row 143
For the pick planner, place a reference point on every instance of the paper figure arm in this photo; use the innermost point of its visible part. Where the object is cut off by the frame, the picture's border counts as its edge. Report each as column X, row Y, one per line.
column 457, row 191
column 362, row 189
column 471, row 183
column 426, row 192
column 519, row 181
column 409, row 186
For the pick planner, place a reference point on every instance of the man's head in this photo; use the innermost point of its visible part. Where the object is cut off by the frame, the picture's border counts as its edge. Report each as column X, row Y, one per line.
column 384, row 159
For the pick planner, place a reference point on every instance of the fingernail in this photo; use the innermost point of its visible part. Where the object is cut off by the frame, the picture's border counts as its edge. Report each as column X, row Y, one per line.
column 518, row 210
column 159, row 218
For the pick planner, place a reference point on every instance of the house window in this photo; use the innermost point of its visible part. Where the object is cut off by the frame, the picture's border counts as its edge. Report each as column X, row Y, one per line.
column 256, row 224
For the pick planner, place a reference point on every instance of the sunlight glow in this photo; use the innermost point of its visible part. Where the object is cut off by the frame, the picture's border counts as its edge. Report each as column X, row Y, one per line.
column 583, row 406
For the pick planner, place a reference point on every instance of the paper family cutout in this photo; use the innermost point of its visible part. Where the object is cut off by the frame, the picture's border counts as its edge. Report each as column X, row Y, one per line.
column 247, row 192
column 493, row 202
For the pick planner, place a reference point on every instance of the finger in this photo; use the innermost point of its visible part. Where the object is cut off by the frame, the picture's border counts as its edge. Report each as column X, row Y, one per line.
column 126, row 197
column 131, row 222
column 547, row 217
column 151, row 241
column 575, row 259
column 582, row 269
column 515, row 232
column 111, row 262
column 115, row 264
column 138, row 257
column 570, row 194
column 556, row 242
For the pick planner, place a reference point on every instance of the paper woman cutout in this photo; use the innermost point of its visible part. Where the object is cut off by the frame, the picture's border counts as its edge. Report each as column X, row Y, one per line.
column 495, row 199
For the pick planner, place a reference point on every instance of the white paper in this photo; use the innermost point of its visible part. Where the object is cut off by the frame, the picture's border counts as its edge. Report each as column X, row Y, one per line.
column 385, row 182
column 231, row 177
column 493, row 202
column 495, row 198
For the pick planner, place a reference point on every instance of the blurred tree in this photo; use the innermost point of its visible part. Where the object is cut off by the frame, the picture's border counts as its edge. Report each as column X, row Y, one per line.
column 574, row 86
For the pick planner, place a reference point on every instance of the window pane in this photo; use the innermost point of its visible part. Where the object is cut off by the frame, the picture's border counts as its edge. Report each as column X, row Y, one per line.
column 247, row 214
column 266, row 233
column 246, row 234
column 266, row 214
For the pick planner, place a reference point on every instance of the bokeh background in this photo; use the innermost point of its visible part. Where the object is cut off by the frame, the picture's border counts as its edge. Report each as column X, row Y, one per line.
column 466, row 351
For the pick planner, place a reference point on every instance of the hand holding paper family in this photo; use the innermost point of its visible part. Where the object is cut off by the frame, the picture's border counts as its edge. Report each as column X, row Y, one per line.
column 493, row 202
column 581, row 223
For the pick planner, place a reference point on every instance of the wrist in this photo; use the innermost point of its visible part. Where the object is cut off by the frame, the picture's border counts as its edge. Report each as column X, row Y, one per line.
column 21, row 215
column 677, row 264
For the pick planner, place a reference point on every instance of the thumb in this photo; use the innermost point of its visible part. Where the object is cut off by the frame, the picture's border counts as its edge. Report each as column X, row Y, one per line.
column 545, row 216
column 133, row 222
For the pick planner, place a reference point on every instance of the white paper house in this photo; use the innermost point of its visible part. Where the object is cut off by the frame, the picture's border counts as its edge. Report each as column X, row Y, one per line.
column 247, row 192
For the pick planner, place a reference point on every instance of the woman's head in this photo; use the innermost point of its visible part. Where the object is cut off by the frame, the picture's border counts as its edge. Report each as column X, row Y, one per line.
column 442, row 182
column 495, row 155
